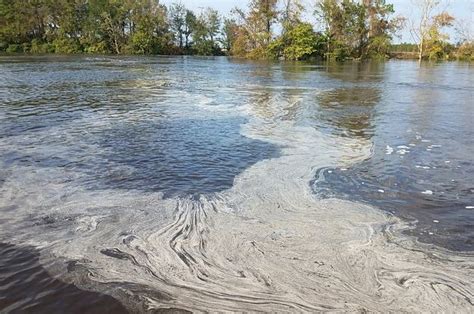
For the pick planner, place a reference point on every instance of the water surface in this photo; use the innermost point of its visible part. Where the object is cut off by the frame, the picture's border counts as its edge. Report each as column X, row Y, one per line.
column 209, row 183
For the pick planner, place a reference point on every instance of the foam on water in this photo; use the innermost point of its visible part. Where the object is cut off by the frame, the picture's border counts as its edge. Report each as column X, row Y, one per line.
column 265, row 244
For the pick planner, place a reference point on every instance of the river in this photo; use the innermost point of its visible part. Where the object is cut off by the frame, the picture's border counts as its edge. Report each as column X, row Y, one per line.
column 132, row 184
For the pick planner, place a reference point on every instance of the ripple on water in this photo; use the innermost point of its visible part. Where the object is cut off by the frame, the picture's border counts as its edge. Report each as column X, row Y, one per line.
column 79, row 180
column 26, row 287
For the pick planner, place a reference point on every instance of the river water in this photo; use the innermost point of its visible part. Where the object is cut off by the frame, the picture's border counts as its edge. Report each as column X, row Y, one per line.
column 208, row 184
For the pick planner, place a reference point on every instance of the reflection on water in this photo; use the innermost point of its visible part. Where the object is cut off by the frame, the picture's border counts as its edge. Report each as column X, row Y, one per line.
column 115, row 138
column 349, row 110
column 367, row 72
column 420, row 121
column 175, row 157
column 26, row 287
column 190, row 182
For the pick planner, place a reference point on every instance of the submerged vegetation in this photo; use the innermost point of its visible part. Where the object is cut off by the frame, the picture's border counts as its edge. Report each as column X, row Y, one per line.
column 348, row 29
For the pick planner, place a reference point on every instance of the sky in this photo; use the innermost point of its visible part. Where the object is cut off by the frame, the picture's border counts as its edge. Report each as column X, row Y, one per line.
column 460, row 9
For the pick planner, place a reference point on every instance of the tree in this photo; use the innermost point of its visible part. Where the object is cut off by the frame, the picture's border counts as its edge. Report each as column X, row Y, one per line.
column 189, row 26
column 212, row 21
column 147, row 27
column 298, row 43
column 291, row 14
column 427, row 26
column 206, row 29
column 229, row 33
column 465, row 40
column 103, row 29
column 255, row 28
column 357, row 29
column 381, row 26
column 112, row 23
column 345, row 27
column 265, row 11
column 352, row 29
column 437, row 45
column 177, row 21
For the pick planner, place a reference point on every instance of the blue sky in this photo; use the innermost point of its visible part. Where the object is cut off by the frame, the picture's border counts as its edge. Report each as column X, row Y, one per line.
column 460, row 9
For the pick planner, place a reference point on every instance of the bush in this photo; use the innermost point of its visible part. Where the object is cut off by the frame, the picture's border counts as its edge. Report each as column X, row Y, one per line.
column 96, row 48
column 14, row 48
column 39, row 47
column 66, row 46
column 299, row 42
column 239, row 47
column 465, row 51
column 25, row 47
column 340, row 52
column 379, row 47
column 204, row 48
column 143, row 43
column 303, row 43
column 257, row 54
column 275, row 49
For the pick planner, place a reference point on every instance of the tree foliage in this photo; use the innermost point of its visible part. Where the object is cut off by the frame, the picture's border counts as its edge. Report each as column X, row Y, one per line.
column 254, row 35
column 350, row 29
column 103, row 26
column 427, row 29
column 358, row 29
column 300, row 42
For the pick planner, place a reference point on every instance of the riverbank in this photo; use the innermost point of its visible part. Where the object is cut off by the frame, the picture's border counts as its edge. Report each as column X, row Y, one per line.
column 398, row 55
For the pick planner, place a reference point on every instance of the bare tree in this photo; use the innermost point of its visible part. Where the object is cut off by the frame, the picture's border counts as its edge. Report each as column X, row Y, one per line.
column 421, row 26
column 464, row 31
column 292, row 11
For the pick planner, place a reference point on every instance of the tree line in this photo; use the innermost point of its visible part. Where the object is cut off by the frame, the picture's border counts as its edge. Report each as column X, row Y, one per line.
column 266, row 29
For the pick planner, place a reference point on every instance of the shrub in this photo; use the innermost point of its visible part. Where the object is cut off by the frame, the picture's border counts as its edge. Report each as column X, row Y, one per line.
column 39, row 47
column 14, row 48
column 465, row 51
column 66, row 46
column 96, row 48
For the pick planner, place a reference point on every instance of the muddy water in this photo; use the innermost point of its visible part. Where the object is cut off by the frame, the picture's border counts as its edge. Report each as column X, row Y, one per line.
column 208, row 184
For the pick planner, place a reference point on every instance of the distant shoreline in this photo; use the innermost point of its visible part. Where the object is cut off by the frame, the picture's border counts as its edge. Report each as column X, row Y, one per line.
column 396, row 55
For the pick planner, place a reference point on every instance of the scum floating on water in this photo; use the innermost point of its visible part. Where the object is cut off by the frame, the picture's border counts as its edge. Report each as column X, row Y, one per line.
column 78, row 184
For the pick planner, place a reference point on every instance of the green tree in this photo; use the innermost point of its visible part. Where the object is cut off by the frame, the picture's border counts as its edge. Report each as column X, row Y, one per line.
column 206, row 29
column 229, row 34
column 190, row 22
column 212, row 23
column 436, row 43
column 177, row 22
column 147, row 28
column 300, row 42
column 381, row 27
column 22, row 21
column 357, row 29
column 345, row 27
column 426, row 27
